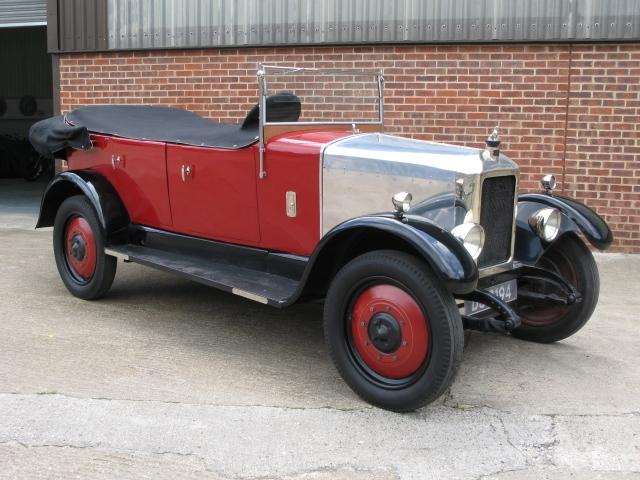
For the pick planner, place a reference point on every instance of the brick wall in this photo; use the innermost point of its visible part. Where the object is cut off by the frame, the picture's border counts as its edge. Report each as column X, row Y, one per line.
column 573, row 110
column 603, row 136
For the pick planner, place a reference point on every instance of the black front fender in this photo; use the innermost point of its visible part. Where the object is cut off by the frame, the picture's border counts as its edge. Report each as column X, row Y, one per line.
column 437, row 247
column 575, row 217
column 111, row 212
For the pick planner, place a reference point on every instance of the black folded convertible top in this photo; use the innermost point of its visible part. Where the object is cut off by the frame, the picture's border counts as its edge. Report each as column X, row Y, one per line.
column 162, row 124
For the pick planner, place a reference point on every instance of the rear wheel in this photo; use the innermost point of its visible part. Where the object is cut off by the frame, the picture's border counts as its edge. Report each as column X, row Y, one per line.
column 571, row 258
column 78, row 246
column 393, row 331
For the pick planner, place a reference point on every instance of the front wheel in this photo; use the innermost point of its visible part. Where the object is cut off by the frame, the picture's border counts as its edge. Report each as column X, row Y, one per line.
column 78, row 245
column 393, row 331
column 571, row 258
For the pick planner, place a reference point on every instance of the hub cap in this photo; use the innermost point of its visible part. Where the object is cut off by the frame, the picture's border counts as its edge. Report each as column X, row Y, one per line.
column 80, row 248
column 389, row 331
column 385, row 332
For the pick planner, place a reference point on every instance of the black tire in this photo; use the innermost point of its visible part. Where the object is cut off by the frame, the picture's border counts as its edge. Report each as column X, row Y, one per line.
column 439, row 311
column 571, row 258
column 101, row 278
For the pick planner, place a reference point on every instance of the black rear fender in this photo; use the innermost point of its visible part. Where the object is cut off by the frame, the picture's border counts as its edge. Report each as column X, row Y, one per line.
column 415, row 235
column 112, row 214
column 576, row 217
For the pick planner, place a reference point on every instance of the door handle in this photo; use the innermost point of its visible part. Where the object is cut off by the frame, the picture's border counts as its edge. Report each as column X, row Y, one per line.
column 116, row 161
column 185, row 172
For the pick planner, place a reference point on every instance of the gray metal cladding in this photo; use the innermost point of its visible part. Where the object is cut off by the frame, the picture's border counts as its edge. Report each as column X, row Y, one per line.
column 82, row 25
column 136, row 24
column 607, row 20
column 15, row 13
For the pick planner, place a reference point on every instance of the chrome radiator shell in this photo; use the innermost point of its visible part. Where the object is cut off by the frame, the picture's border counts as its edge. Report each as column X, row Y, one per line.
column 360, row 173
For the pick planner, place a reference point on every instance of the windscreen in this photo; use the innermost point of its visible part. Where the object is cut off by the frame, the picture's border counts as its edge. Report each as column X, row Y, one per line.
column 325, row 96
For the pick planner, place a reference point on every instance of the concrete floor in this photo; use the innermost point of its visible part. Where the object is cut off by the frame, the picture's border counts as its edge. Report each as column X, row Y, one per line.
column 169, row 379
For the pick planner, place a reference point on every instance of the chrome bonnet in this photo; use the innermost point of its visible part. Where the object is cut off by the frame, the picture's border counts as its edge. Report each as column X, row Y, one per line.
column 361, row 173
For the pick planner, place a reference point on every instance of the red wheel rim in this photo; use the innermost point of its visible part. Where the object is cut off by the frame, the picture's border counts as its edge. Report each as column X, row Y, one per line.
column 80, row 248
column 547, row 316
column 389, row 331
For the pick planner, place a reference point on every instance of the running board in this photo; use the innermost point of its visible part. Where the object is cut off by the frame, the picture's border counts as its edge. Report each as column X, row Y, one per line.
column 213, row 270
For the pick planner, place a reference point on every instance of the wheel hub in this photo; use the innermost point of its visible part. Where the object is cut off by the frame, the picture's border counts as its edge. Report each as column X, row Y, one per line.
column 385, row 333
column 78, row 247
column 389, row 331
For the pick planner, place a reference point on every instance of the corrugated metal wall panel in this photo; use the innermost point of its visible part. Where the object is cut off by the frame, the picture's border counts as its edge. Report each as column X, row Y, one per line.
column 15, row 13
column 82, row 24
column 134, row 24
column 607, row 20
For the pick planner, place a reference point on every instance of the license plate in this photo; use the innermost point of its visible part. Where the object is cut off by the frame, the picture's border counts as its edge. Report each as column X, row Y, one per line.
column 507, row 292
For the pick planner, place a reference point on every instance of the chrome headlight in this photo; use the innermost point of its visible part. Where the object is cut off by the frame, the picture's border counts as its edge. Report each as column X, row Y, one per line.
column 472, row 237
column 546, row 223
column 401, row 203
column 548, row 182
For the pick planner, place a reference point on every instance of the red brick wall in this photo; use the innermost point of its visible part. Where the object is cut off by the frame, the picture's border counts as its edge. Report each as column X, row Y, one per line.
column 603, row 136
column 573, row 110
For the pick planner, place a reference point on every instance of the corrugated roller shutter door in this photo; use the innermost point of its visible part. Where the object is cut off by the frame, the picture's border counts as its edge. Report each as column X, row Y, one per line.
column 16, row 13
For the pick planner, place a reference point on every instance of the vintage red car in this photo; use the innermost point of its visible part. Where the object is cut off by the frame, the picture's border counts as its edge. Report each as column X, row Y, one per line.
column 407, row 242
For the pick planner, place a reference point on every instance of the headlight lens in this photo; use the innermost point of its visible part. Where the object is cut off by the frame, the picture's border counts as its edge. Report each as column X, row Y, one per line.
column 472, row 237
column 546, row 223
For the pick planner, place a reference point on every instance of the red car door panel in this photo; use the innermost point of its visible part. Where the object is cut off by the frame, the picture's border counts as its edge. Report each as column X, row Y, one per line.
column 213, row 193
column 137, row 170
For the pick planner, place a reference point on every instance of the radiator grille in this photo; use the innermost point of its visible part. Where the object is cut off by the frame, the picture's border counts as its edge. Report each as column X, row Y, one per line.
column 496, row 217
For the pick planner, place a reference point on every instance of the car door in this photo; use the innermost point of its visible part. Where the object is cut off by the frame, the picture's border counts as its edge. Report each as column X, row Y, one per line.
column 212, row 192
column 137, row 170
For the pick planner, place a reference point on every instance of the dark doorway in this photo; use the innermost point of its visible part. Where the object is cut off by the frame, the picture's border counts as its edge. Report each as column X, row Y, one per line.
column 25, row 96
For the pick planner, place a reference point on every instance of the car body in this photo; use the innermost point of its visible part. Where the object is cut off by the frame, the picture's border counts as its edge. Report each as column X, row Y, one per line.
column 407, row 241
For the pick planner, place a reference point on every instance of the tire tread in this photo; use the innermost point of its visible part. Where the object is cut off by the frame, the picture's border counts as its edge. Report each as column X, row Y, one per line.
column 446, row 311
column 106, row 265
column 582, row 258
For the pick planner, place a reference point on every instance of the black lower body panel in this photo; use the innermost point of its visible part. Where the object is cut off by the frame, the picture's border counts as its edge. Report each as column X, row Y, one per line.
column 256, row 274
